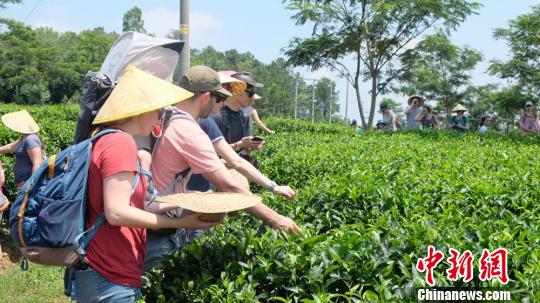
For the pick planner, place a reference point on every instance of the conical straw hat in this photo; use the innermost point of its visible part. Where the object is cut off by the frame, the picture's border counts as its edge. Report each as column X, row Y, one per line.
column 237, row 86
column 20, row 122
column 211, row 203
column 137, row 93
column 459, row 107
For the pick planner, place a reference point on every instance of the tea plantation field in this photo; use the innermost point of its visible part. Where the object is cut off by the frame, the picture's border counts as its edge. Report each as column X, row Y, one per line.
column 369, row 206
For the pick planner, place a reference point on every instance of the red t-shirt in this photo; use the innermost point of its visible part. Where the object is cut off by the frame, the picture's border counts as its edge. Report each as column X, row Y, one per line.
column 116, row 252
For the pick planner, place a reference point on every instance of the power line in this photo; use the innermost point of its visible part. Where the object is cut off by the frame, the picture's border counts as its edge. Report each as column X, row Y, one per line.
column 32, row 11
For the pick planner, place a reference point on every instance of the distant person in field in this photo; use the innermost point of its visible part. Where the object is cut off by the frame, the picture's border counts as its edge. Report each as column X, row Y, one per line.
column 185, row 147
column 389, row 117
column 381, row 125
column 459, row 122
column 483, row 125
column 253, row 116
column 426, row 118
column 28, row 150
column 528, row 122
column 234, row 123
column 414, row 108
column 354, row 125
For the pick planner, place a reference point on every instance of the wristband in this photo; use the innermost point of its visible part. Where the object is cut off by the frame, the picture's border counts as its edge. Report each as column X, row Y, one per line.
column 272, row 186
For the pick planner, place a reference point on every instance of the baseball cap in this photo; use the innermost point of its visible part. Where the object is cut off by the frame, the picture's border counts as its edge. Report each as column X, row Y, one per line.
column 248, row 78
column 528, row 103
column 202, row 79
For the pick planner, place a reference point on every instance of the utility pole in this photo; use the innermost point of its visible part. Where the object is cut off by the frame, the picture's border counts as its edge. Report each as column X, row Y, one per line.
column 184, row 35
column 296, row 99
column 331, row 100
column 313, row 103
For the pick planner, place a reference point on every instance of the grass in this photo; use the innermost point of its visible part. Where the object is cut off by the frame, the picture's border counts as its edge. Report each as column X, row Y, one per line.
column 38, row 284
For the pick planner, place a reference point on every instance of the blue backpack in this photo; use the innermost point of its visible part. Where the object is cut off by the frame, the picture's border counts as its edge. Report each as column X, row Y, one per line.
column 47, row 218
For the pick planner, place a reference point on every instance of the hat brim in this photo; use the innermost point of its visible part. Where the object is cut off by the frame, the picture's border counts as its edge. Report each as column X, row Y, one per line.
column 211, row 203
column 20, row 122
column 224, row 92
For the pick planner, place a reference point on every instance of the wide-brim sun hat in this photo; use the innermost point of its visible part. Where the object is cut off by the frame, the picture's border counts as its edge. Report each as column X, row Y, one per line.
column 137, row 93
column 213, row 206
column 409, row 101
column 20, row 122
column 237, row 86
column 459, row 108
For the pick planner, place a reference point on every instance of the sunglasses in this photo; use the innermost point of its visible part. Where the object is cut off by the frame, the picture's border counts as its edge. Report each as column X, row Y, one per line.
column 219, row 97
column 528, row 105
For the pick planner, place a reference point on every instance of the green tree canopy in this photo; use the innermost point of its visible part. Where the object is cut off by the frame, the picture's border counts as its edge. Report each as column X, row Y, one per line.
column 133, row 21
column 3, row 3
column 438, row 70
column 372, row 32
column 523, row 39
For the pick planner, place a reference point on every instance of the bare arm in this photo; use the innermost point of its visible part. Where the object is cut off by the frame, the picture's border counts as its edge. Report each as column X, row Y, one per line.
column 232, row 160
column 258, row 121
column 36, row 157
column 419, row 117
column 8, row 148
column 224, row 182
column 2, row 175
column 119, row 212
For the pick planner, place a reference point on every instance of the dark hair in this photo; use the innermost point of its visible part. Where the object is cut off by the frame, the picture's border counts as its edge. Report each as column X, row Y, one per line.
column 483, row 120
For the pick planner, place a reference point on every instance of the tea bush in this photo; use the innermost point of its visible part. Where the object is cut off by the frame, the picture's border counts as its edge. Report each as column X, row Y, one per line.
column 368, row 204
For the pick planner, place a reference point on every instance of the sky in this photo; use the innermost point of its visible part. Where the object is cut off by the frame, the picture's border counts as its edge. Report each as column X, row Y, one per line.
column 262, row 27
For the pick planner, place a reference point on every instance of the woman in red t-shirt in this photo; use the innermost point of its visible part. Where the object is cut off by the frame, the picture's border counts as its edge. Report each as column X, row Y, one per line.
column 115, row 255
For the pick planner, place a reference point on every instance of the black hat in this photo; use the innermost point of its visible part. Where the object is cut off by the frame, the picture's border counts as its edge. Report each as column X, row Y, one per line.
column 248, row 78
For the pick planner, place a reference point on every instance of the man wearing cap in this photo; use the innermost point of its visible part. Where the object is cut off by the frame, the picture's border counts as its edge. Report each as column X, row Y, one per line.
column 183, row 147
column 234, row 123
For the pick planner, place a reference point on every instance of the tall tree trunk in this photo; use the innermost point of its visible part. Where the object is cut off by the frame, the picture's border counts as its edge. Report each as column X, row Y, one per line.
column 373, row 97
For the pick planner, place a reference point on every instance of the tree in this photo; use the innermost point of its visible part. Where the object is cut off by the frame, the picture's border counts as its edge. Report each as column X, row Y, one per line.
column 522, row 38
column 438, row 70
column 508, row 102
column 3, row 3
column 133, row 21
column 325, row 93
column 372, row 32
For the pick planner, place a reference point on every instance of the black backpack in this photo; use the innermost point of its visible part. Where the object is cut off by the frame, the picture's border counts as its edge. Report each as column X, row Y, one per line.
column 96, row 88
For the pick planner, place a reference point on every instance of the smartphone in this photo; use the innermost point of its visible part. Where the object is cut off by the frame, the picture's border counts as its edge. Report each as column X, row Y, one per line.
column 257, row 138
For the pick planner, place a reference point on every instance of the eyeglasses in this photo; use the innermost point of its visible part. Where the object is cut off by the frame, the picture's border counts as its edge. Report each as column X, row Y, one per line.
column 219, row 97
column 250, row 93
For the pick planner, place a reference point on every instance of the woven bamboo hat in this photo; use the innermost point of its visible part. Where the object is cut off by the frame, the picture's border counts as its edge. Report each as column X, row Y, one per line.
column 211, row 203
column 458, row 108
column 20, row 122
column 137, row 93
column 411, row 98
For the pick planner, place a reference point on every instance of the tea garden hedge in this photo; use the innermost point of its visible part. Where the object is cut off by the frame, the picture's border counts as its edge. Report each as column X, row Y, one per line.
column 369, row 206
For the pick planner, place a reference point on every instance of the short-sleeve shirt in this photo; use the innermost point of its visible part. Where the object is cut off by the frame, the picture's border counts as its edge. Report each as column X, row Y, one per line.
column 23, row 165
column 461, row 121
column 116, row 252
column 197, row 182
column 183, row 145
column 411, row 123
column 388, row 119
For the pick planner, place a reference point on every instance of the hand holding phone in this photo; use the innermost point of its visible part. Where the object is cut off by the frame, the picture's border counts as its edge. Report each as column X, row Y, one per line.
column 257, row 138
